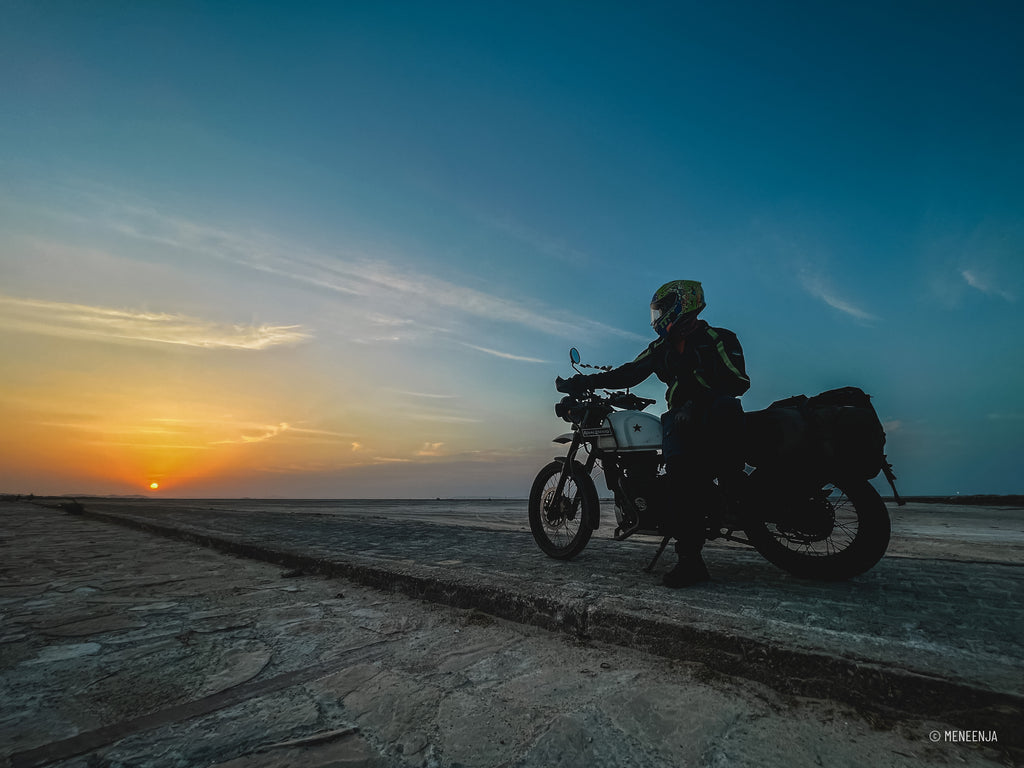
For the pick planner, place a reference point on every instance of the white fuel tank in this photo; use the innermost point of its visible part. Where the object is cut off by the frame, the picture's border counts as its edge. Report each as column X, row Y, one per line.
column 635, row 430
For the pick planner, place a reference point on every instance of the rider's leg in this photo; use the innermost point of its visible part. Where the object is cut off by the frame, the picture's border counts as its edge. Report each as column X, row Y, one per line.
column 689, row 498
column 699, row 443
column 685, row 501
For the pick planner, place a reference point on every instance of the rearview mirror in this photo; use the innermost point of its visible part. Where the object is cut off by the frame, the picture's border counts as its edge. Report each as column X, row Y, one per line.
column 574, row 356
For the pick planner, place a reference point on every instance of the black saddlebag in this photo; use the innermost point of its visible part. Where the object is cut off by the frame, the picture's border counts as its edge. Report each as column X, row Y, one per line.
column 778, row 436
column 846, row 428
column 837, row 432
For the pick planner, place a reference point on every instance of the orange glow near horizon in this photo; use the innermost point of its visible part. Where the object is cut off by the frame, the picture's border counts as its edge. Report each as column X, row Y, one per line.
column 180, row 422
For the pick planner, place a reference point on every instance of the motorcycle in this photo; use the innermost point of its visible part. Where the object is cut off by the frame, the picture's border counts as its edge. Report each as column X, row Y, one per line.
column 803, row 500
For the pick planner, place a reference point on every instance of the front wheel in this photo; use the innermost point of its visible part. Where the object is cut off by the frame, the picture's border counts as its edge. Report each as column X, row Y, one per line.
column 837, row 533
column 561, row 522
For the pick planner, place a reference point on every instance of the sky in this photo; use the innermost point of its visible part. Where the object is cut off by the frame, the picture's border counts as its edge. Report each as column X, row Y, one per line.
column 343, row 249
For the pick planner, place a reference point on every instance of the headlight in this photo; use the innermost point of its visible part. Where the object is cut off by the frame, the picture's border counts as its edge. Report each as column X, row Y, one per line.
column 564, row 407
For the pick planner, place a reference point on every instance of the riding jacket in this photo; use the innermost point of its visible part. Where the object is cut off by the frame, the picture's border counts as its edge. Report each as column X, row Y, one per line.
column 698, row 368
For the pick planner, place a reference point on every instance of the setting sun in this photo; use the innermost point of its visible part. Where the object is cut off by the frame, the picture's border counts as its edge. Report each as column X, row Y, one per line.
column 154, row 486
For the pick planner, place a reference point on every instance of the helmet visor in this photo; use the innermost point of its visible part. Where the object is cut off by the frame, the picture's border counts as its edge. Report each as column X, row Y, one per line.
column 656, row 313
column 663, row 305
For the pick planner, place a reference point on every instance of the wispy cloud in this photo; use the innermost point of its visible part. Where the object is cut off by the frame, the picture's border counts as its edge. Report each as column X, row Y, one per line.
column 820, row 289
column 504, row 355
column 428, row 395
column 1006, row 417
column 351, row 273
column 82, row 321
column 546, row 245
column 443, row 418
column 257, row 435
column 985, row 284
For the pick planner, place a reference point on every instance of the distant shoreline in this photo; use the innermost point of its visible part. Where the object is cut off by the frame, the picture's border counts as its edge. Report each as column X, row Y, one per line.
column 987, row 500
column 976, row 500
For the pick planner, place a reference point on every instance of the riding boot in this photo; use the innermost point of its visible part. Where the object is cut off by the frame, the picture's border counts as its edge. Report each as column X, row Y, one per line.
column 689, row 570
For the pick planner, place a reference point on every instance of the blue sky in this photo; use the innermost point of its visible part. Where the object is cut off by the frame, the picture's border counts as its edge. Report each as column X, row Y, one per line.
column 342, row 249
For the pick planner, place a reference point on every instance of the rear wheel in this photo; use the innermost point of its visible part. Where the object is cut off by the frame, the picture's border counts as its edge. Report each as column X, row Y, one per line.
column 561, row 522
column 838, row 532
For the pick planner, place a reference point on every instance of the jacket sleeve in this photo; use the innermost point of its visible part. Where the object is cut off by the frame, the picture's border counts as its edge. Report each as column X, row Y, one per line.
column 626, row 375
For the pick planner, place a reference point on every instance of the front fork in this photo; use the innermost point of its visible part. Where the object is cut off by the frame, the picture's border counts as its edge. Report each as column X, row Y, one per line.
column 567, row 463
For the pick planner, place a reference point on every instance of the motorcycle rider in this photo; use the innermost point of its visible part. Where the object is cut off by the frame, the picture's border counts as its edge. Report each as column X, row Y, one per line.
column 705, row 373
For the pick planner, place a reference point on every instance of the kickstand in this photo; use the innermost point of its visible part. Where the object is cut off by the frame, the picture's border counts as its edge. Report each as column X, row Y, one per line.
column 891, row 477
column 664, row 543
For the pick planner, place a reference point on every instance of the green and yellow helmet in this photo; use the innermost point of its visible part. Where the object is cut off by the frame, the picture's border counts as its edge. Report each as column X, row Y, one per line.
column 673, row 300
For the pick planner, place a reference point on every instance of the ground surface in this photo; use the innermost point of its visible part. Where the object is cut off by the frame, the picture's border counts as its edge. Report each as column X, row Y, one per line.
column 121, row 648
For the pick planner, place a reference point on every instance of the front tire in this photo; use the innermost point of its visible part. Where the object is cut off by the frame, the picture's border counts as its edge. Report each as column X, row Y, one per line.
column 846, row 534
column 562, row 525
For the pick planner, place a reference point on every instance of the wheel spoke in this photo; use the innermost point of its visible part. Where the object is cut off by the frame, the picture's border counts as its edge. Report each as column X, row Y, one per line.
column 835, row 533
column 561, row 521
column 562, row 529
column 842, row 535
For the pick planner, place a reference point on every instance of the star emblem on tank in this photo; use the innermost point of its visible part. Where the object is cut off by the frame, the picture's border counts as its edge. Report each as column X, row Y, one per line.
column 637, row 428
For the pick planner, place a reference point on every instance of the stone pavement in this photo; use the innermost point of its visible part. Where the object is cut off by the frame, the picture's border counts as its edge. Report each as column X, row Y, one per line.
column 909, row 629
column 88, row 608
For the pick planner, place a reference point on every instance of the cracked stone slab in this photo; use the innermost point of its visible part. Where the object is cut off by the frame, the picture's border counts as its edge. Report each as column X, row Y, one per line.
column 397, row 681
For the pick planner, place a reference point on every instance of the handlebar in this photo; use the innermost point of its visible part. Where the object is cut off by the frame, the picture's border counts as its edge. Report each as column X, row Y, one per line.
column 628, row 401
column 617, row 399
column 573, row 408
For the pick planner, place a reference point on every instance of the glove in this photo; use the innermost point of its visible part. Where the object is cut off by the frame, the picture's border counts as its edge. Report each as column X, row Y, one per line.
column 572, row 385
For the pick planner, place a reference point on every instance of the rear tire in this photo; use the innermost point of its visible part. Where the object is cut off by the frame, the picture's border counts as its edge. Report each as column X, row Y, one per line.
column 853, row 534
column 562, row 527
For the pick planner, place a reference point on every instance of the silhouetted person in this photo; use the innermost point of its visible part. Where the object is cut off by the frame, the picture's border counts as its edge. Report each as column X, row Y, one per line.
column 705, row 373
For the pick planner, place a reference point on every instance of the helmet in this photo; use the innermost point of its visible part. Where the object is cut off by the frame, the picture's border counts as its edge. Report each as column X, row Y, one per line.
column 673, row 300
